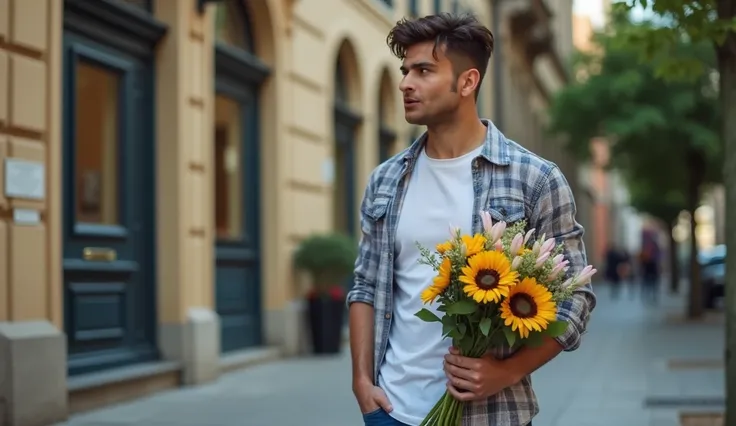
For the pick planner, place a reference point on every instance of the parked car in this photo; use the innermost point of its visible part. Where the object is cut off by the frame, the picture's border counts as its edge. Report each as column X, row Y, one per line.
column 713, row 274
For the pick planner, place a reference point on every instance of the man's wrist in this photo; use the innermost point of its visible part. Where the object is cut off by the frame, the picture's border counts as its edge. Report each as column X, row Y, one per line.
column 514, row 370
column 362, row 381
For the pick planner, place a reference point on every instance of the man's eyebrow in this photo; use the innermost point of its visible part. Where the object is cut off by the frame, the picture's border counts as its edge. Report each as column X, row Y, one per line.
column 416, row 65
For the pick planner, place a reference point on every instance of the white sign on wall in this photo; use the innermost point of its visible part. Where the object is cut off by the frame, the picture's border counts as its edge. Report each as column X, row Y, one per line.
column 26, row 217
column 328, row 171
column 25, row 179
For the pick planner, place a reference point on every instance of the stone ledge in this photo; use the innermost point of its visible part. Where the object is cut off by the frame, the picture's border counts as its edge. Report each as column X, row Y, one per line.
column 248, row 357
column 122, row 374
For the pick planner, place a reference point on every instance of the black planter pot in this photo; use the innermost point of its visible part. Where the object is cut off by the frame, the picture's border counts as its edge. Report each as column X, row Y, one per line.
column 325, row 323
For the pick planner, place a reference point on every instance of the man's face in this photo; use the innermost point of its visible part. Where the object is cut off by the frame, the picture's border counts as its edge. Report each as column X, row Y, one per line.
column 430, row 88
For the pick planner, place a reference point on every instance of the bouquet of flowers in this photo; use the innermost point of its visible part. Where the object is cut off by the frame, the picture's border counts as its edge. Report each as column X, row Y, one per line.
column 500, row 287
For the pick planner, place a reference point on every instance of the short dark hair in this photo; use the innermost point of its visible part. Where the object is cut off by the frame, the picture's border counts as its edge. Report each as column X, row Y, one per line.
column 462, row 35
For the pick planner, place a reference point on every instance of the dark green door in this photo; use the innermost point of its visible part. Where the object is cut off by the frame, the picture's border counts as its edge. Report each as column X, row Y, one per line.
column 237, row 198
column 108, row 198
column 346, row 216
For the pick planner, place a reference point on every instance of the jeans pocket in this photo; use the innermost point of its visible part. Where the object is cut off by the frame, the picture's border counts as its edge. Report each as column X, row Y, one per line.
column 373, row 413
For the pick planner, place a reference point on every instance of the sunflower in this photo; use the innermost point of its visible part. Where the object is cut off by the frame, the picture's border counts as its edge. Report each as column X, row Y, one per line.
column 529, row 306
column 443, row 248
column 474, row 244
column 488, row 276
column 440, row 282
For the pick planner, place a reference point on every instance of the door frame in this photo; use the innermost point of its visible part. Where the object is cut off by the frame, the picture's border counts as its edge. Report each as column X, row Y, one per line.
column 240, row 75
column 112, row 26
column 345, row 127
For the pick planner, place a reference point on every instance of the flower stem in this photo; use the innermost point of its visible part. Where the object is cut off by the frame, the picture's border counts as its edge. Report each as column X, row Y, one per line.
column 432, row 415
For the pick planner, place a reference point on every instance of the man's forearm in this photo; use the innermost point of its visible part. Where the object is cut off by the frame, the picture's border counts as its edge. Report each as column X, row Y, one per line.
column 361, row 341
column 527, row 360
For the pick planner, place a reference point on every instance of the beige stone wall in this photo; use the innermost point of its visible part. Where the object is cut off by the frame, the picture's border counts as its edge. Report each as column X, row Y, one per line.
column 30, row 255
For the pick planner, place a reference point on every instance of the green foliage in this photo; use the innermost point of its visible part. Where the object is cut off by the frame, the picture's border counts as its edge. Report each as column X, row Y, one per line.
column 697, row 21
column 329, row 258
column 658, row 129
column 664, row 203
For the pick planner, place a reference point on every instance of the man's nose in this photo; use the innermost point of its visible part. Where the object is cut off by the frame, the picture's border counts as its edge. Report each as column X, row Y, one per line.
column 405, row 85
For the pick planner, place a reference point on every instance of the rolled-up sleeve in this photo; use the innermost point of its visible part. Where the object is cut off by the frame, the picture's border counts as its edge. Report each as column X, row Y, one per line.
column 366, row 264
column 553, row 214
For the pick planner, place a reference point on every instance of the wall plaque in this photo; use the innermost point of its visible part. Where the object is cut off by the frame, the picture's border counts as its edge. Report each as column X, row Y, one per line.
column 25, row 179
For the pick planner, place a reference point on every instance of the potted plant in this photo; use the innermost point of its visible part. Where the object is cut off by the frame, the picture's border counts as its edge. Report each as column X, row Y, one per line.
column 329, row 260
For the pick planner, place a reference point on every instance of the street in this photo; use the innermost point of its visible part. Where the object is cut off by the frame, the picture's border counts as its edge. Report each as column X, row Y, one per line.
column 621, row 364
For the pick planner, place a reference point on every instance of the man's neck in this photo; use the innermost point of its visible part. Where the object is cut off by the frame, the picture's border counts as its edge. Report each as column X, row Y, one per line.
column 456, row 137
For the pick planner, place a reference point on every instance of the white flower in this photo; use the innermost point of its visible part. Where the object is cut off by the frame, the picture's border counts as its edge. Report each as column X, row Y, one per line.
column 516, row 244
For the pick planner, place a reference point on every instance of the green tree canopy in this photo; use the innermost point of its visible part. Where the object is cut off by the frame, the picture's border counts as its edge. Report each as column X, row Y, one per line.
column 660, row 130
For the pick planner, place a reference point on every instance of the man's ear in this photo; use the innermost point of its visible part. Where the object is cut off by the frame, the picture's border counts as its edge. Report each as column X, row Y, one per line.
column 469, row 82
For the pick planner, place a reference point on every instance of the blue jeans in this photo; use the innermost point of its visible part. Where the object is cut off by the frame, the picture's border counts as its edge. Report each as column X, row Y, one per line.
column 380, row 418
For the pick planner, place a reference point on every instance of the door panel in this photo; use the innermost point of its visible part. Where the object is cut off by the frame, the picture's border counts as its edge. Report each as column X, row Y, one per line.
column 237, row 272
column 109, row 295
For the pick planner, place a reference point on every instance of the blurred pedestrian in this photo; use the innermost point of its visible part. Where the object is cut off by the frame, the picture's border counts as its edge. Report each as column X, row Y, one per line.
column 650, row 270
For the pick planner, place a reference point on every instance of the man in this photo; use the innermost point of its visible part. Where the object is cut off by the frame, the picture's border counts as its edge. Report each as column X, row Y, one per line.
column 461, row 165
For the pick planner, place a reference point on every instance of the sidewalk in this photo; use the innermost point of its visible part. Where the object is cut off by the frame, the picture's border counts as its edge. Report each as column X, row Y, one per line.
column 622, row 363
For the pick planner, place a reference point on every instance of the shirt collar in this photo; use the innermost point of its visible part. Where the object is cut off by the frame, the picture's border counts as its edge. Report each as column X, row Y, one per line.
column 495, row 148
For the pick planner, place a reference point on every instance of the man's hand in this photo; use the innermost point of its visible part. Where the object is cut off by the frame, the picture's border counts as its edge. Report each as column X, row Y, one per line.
column 371, row 397
column 472, row 379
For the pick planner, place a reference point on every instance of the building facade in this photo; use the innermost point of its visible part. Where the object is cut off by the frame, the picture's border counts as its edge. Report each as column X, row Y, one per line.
column 160, row 160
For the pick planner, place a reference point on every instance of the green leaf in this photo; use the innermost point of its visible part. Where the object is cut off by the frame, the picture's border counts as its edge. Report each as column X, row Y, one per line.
column 428, row 316
column 447, row 329
column 462, row 307
column 556, row 328
column 448, row 324
column 510, row 336
column 485, row 326
column 462, row 328
column 534, row 340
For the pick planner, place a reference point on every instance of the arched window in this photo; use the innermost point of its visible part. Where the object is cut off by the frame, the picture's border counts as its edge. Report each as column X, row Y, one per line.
column 342, row 96
column 232, row 26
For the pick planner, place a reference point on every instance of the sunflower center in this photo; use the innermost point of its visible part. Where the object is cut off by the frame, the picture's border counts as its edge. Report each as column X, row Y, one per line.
column 523, row 306
column 486, row 279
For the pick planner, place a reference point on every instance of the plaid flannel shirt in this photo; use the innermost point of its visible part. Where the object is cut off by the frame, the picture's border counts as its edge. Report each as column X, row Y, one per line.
column 512, row 184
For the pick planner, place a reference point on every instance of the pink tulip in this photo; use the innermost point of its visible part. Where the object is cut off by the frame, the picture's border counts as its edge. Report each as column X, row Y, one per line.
column 558, row 259
column 516, row 244
column 453, row 231
column 585, row 274
column 560, row 267
column 498, row 245
column 541, row 259
column 497, row 230
column 548, row 245
column 487, row 221
column 516, row 263
column 528, row 236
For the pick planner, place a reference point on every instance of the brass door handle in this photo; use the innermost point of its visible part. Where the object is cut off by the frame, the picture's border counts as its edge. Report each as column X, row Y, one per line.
column 99, row 254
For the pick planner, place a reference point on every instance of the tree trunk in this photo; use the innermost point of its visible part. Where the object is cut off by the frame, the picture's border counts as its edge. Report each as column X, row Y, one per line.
column 727, row 68
column 697, row 169
column 674, row 263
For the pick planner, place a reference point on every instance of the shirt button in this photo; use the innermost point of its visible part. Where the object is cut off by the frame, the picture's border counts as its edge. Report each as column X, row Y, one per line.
column 388, row 316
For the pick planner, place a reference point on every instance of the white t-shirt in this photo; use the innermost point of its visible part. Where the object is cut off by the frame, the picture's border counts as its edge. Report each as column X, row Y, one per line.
column 440, row 193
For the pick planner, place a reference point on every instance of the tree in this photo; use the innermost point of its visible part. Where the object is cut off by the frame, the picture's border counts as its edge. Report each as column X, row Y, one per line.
column 712, row 21
column 663, row 133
